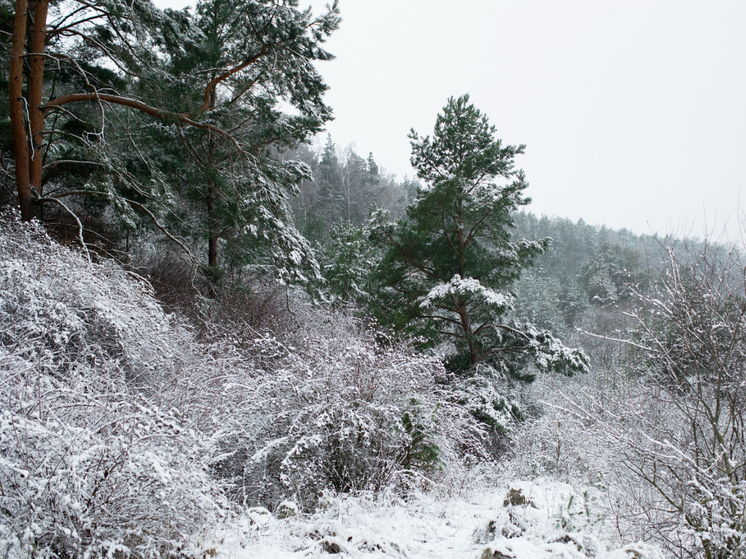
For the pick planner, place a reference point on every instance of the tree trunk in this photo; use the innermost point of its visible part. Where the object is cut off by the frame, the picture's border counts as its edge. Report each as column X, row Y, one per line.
column 212, row 251
column 462, row 310
column 466, row 326
column 212, row 220
column 35, row 87
column 27, row 141
column 212, row 241
column 15, row 102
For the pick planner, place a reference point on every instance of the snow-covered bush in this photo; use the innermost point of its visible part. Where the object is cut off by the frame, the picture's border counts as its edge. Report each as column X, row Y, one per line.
column 120, row 432
column 487, row 403
column 553, row 441
column 336, row 409
column 61, row 311
column 691, row 446
column 673, row 411
column 119, row 477
column 99, row 453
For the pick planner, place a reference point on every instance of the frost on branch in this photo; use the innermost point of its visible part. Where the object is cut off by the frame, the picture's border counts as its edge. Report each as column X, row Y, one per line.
column 336, row 411
column 487, row 403
column 550, row 354
column 680, row 426
column 95, row 455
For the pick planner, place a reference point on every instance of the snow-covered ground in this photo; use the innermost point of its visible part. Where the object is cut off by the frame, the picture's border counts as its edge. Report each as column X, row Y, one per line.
column 554, row 521
column 111, row 414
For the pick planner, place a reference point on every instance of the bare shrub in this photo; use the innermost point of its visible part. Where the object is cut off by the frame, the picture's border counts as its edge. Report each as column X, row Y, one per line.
column 680, row 427
column 171, row 274
column 103, row 235
column 242, row 309
column 91, row 462
column 234, row 304
column 334, row 409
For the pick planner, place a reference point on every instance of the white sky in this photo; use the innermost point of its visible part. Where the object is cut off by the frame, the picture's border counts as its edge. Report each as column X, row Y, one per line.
column 633, row 112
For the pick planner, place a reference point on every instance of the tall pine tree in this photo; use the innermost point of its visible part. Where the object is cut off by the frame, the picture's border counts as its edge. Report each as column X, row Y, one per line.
column 247, row 57
column 449, row 266
column 98, row 80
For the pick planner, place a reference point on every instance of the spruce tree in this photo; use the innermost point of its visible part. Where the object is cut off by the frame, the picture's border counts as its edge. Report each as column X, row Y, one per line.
column 329, row 178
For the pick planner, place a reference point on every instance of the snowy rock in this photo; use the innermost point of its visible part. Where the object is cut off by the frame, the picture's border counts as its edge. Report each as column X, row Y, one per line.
column 515, row 497
column 286, row 509
column 498, row 550
column 637, row 550
column 258, row 516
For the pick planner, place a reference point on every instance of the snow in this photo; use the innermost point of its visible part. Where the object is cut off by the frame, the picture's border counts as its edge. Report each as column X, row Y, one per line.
column 432, row 526
column 104, row 450
column 467, row 286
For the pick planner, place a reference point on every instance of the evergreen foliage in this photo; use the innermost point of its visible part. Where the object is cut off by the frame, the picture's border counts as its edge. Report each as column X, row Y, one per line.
column 345, row 188
column 611, row 274
column 172, row 117
column 347, row 263
column 586, row 266
column 448, row 268
column 235, row 188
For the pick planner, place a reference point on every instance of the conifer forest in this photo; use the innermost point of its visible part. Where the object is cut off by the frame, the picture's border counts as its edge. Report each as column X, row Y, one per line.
column 224, row 335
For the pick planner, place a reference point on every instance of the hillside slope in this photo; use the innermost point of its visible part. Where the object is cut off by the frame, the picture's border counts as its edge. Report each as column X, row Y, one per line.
column 122, row 434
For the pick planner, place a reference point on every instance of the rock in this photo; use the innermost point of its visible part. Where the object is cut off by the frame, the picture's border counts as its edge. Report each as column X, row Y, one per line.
column 570, row 540
column 515, row 498
column 286, row 509
column 258, row 515
column 330, row 547
column 497, row 551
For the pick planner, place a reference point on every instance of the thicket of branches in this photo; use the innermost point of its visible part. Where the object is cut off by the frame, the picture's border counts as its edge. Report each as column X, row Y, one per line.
column 691, row 446
column 660, row 423
column 102, row 449
column 121, row 432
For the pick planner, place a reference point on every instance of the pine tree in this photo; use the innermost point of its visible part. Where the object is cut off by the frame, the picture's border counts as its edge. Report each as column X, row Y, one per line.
column 329, row 182
column 71, row 86
column 346, row 264
column 247, row 57
column 170, row 106
column 449, row 266
column 611, row 275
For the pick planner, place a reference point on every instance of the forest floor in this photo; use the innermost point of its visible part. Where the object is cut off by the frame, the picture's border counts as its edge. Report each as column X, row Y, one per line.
column 555, row 521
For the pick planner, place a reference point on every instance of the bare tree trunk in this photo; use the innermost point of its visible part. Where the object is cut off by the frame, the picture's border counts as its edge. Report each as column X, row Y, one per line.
column 35, row 87
column 212, row 241
column 15, row 101
column 27, row 141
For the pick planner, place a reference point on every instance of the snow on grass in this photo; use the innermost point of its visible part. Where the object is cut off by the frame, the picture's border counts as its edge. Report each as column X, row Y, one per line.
column 548, row 520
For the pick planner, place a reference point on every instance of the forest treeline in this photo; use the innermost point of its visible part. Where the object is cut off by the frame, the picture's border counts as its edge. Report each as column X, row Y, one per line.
column 129, row 125
column 200, row 311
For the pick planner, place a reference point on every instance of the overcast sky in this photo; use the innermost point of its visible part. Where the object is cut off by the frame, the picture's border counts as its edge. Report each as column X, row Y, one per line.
column 633, row 112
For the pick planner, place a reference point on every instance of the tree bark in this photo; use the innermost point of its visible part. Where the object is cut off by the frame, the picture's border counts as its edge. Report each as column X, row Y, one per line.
column 468, row 334
column 15, row 102
column 212, row 241
column 35, row 86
